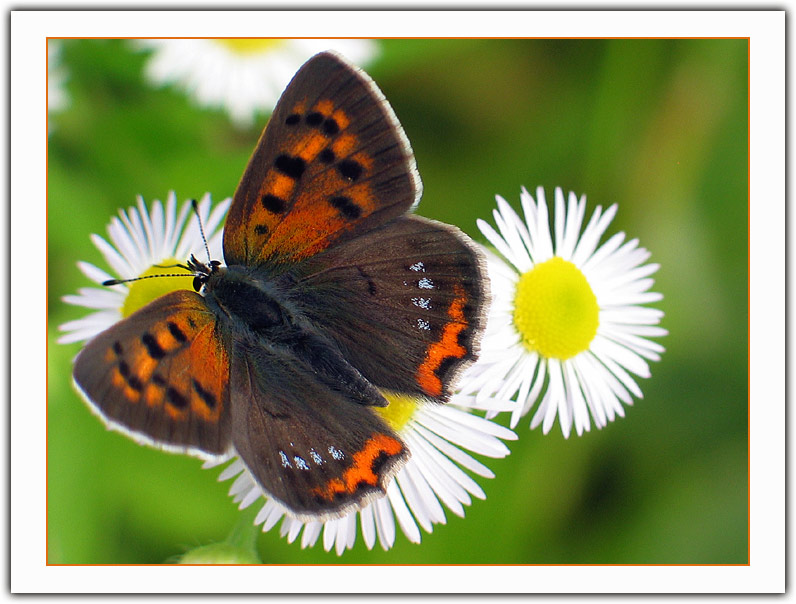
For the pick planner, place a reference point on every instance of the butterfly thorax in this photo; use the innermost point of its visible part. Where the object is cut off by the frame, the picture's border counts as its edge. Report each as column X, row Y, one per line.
column 258, row 310
column 247, row 300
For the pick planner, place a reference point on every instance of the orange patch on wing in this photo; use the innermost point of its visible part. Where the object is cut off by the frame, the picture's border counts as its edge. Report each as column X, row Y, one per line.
column 117, row 380
column 142, row 365
column 153, row 395
column 279, row 185
column 446, row 347
column 344, row 145
column 362, row 470
column 341, row 118
column 207, row 389
column 313, row 224
column 309, row 146
column 325, row 107
column 176, row 413
column 132, row 394
column 366, row 161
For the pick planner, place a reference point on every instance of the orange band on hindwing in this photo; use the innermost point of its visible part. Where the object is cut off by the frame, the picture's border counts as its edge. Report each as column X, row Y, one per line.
column 364, row 471
column 446, row 347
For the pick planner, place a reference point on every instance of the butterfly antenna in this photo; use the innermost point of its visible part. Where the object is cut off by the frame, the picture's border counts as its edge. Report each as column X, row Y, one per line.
column 195, row 207
column 119, row 281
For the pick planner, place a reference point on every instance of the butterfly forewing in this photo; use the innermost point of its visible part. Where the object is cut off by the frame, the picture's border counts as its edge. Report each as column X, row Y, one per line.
column 405, row 303
column 332, row 163
column 162, row 374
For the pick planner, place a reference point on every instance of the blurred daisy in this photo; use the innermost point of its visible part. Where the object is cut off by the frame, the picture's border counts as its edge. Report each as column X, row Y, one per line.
column 141, row 243
column 433, row 479
column 144, row 242
column 57, row 98
column 567, row 321
column 243, row 76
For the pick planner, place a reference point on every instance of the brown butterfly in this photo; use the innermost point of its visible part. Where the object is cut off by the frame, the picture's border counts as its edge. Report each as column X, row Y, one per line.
column 332, row 295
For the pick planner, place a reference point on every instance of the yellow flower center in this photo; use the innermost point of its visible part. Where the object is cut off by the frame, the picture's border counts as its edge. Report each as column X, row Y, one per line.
column 146, row 290
column 555, row 310
column 400, row 410
column 248, row 46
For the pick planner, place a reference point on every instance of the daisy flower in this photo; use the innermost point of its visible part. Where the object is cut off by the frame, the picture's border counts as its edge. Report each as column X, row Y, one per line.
column 243, row 76
column 57, row 98
column 568, row 323
column 440, row 437
column 141, row 243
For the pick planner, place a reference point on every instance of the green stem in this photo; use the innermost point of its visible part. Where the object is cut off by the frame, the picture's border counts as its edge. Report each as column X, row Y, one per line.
column 244, row 533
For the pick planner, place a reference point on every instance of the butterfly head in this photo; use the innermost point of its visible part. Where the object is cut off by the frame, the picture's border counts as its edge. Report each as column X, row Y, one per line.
column 201, row 271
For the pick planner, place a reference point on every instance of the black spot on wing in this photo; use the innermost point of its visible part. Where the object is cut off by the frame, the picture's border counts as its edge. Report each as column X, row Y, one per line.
column 326, row 156
column 314, row 119
column 176, row 332
column 207, row 397
column 330, row 126
column 153, row 349
column 347, row 208
column 272, row 203
column 350, row 169
column 176, row 398
column 290, row 166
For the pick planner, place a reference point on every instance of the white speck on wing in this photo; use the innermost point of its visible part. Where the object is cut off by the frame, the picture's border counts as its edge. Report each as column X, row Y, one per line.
column 424, row 303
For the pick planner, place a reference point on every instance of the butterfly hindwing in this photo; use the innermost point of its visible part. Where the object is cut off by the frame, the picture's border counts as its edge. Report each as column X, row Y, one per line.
column 308, row 446
column 333, row 162
column 405, row 303
column 162, row 374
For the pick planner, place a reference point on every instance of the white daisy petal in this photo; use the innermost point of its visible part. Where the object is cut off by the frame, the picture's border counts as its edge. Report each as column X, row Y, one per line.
column 113, row 258
column 496, row 240
column 312, row 531
column 414, row 499
column 92, row 272
column 402, row 513
column 385, row 522
column 511, row 230
column 451, row 494
column 459, row 456
column 368, row 525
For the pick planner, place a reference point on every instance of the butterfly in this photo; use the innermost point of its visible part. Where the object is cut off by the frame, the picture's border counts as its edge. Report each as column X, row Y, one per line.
column 332, row 295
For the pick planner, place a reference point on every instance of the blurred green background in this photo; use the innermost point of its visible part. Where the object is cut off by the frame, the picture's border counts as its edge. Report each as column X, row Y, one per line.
column 658, row 126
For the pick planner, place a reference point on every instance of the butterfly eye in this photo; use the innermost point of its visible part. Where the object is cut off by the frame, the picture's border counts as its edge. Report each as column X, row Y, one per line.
column 197, row 283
